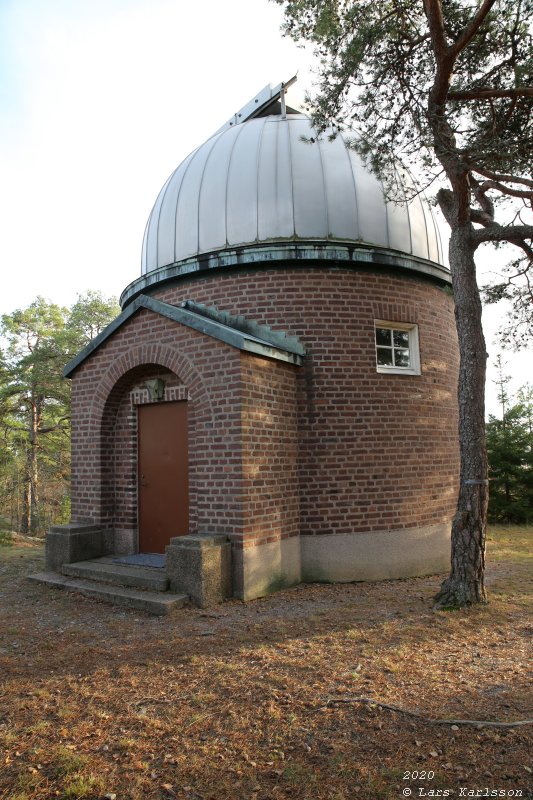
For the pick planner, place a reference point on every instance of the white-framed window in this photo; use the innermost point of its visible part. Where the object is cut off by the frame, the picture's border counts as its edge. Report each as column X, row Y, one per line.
column 397, row 348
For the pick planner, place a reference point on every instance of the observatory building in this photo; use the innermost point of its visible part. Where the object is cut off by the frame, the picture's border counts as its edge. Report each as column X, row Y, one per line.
column 276, row 403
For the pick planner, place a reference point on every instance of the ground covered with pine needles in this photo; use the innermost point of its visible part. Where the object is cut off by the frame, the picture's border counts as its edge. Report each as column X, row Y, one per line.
column 262, row 700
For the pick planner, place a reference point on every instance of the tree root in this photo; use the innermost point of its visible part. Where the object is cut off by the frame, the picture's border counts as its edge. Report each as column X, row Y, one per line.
column 453, row 596
column 478, row 723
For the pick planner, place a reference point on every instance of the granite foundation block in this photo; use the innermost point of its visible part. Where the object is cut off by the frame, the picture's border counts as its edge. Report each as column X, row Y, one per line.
column 66, row 544
column 199, row 565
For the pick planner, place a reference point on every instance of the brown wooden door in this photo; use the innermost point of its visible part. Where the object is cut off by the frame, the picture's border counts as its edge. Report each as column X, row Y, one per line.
column 163, row 475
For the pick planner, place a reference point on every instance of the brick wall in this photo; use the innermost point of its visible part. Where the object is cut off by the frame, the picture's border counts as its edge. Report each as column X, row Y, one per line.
column 376, row 451
column 269, row 419
column 366, row 451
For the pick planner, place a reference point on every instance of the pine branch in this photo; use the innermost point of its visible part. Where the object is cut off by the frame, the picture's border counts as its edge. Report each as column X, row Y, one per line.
column 14, row 428
column 498, row 176
column 485, row 202
column 472, row 27
column 56, row 427
column 479, row 723
column 433, row 11
column 515, row 234
column 491, row 94
column 486, row 185
column 481, row 217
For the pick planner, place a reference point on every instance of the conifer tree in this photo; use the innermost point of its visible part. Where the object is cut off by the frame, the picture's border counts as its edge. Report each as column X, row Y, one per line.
column 35, row 399
column 448, row 87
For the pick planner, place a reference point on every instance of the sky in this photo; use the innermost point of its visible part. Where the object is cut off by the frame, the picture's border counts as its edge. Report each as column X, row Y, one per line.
column 100, row 100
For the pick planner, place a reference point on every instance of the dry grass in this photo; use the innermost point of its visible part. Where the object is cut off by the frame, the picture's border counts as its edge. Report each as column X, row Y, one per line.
column 231, row 703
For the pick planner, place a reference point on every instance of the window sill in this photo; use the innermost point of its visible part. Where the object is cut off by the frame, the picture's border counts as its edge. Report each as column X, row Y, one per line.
column 398, row 371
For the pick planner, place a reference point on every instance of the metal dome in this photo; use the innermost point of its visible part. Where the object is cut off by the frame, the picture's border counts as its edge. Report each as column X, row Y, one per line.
column 264, row 181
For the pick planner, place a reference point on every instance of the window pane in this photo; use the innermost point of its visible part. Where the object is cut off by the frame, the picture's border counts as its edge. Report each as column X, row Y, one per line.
column 401, row 338
column 383, row 337
column 384, row 356
column 401, row 358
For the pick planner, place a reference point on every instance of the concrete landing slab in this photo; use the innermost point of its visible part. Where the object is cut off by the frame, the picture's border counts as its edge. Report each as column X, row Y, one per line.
column 152, row 560
column 120, row 574
column 158, row 603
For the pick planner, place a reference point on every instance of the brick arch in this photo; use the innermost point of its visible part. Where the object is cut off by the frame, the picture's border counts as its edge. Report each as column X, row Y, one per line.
column 108, row 395
column 156, row 355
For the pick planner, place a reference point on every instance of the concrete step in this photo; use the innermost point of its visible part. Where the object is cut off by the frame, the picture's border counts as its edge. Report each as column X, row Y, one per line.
column 158, row 603
column 106, row 571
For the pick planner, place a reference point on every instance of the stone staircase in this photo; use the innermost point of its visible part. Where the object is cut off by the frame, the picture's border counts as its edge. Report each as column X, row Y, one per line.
column 139, row 588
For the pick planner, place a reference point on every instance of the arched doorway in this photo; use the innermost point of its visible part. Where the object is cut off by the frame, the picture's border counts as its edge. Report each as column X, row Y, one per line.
column 144, row 434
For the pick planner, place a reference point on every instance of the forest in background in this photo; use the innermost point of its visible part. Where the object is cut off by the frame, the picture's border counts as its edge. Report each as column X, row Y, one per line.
column 38, row 341
column 35, row 345
column 510, row 453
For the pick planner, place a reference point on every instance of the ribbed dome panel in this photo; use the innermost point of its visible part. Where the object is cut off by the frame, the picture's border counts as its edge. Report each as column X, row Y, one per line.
column 339, row 186
column 276, row 213
column 265, row 181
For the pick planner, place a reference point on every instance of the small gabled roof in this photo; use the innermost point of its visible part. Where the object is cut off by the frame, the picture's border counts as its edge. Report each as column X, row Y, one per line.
column 235, row 331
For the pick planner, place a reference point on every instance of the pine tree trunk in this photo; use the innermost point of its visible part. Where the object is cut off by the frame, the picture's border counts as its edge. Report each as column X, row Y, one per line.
column 25, row 522
column 29, row 509
column 465, row 584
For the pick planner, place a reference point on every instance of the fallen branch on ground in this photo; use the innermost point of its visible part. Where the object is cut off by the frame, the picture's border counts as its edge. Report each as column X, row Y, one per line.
column 479, row 723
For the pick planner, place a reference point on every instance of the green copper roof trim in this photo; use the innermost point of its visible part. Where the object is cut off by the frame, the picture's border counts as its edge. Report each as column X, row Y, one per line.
column 349, row 255
column 245, row 325
column 269, row 343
